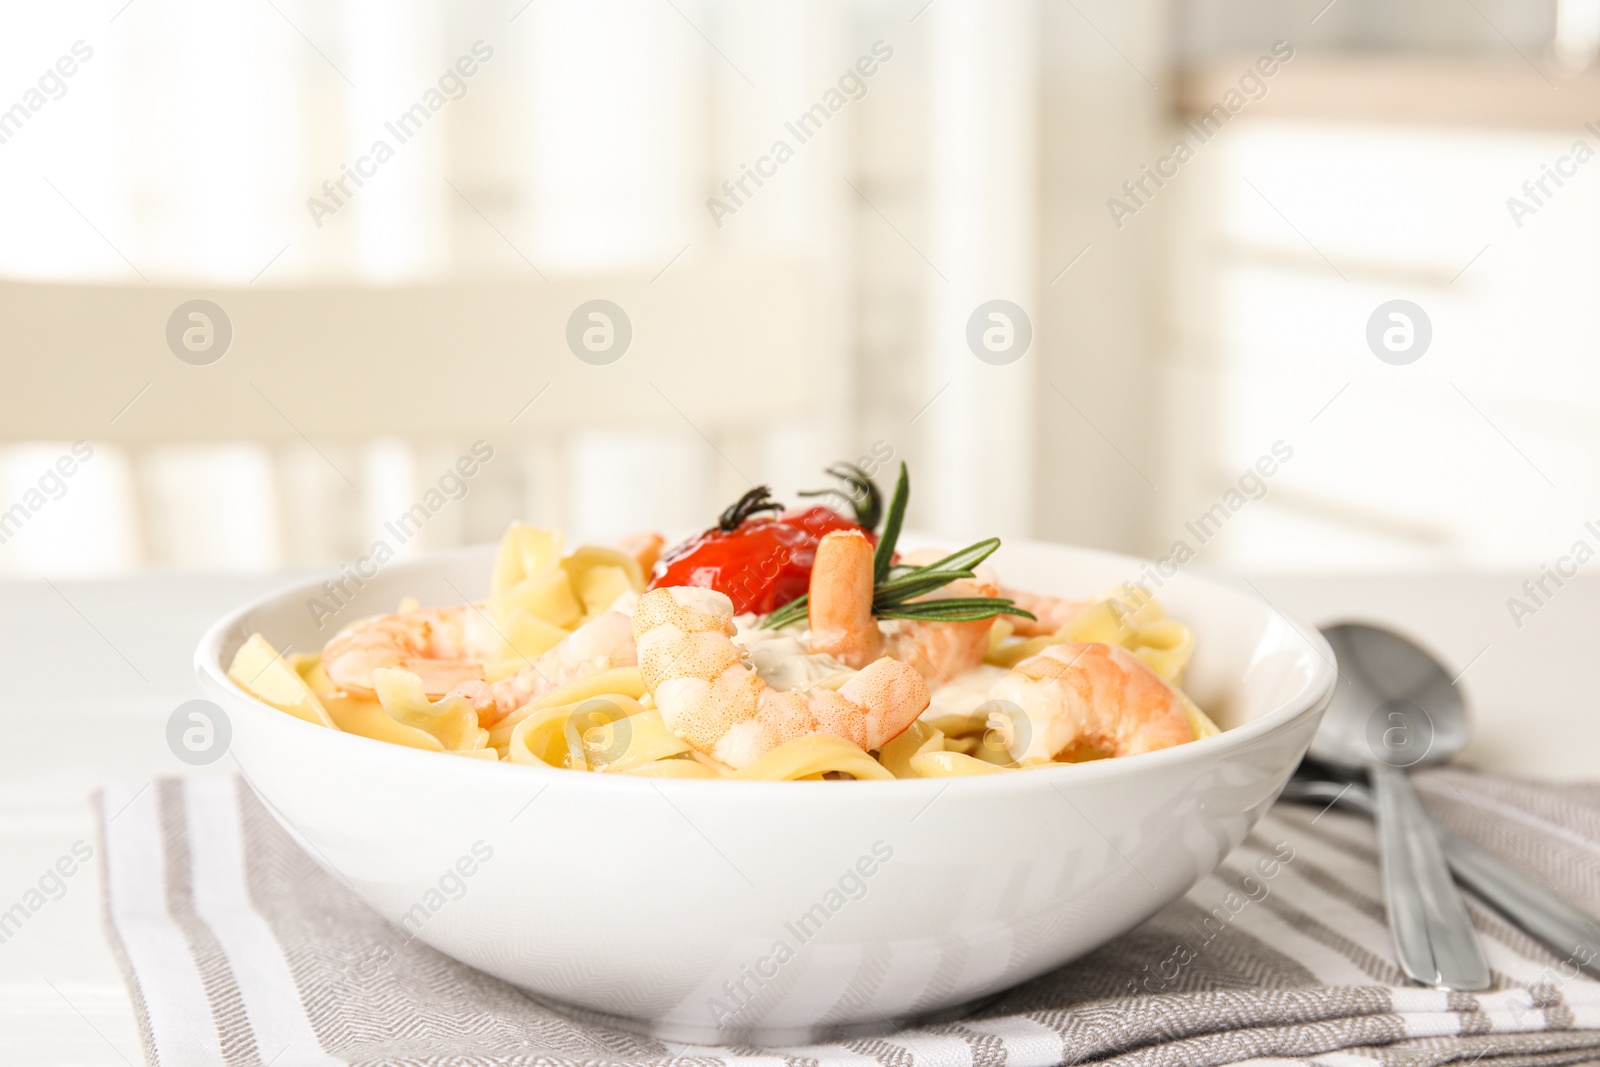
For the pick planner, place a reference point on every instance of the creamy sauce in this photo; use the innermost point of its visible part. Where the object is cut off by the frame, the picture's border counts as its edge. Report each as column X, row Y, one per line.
column 962, row 694
column 781, row 659
column 780, row 656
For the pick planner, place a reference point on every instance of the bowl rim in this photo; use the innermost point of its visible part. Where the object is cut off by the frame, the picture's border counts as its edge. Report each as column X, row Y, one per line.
column 1309, row 700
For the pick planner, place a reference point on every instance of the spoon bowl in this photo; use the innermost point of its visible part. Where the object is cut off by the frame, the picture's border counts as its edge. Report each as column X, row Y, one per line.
column 1393, row 703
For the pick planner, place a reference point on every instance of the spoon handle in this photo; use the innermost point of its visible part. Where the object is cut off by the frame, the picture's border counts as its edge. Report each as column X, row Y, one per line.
column 1433, row 935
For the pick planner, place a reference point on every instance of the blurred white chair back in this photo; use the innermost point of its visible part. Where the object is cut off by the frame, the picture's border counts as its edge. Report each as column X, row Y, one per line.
column 290, row 425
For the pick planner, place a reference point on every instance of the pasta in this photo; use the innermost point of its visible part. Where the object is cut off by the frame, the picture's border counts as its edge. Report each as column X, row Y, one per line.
column 544, row 672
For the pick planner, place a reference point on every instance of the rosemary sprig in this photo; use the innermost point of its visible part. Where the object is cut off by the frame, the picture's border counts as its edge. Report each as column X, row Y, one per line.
column 895, row 588
column 954, row 609
column 788, row 615
column 891, row 526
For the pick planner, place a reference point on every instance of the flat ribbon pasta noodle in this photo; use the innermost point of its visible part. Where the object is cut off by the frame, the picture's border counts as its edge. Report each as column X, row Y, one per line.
column 1200, row 723
column 1104, row 622
column 813, row 754
column 672, row 768
column 259, row 670
column 650, row 741
column 451, row 721
column 991, row 746
column 953, row 725
column 541, row 738
column 520, row 636
column 1162, row 644
column 1003, row 628
column 532, row 604
column 525, row 550
column 354, row 715
column 547, row 595
column 920, row 737
column 951, row 765
column 626, row 681
column 970, row 734
column 600, row 575
column 716, row 766
column 367, row 718
column 613, row 732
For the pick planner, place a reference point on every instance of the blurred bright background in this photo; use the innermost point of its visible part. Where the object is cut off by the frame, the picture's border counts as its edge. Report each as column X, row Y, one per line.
column 1217, row 316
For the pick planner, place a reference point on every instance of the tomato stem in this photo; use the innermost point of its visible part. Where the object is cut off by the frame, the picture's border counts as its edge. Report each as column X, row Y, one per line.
column 757, row 499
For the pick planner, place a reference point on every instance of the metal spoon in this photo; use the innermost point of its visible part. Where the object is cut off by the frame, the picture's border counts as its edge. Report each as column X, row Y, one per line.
column 1395, row 707
column 1564, row 929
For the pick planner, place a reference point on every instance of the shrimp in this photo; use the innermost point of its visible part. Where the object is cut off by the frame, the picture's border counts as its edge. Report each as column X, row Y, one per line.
column 942, row 650
column 437, row 645
column 839, row 600
column 1051, row 613
column 708, row 696
column 431, row 643
column 1083, row 700
column 645, row 548
column 839, row 605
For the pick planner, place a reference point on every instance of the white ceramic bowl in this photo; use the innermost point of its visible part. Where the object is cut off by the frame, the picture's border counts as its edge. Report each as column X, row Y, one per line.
column 780, row 912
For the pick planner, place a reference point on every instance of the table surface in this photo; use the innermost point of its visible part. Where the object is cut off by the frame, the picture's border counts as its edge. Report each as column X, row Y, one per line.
column 93, row 670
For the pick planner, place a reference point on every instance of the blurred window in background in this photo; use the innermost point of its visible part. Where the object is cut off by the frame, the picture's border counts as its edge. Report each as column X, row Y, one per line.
column 1406, row 152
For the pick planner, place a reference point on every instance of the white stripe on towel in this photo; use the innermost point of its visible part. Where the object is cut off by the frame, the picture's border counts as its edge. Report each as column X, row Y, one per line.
column 1028, row 1044
column 934, row 1050
column 222, row 900
column 181, row 1026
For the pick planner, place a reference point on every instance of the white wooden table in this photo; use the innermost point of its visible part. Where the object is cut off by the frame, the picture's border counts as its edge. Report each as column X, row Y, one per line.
column 89, row 673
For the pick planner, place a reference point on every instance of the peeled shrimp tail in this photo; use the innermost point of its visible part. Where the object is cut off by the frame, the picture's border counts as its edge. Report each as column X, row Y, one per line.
column 839, row 600
column 709, row 698
column 1082, row 700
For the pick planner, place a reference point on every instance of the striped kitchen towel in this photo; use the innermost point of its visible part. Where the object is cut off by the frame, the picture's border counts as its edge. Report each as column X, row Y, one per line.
column 239, row 950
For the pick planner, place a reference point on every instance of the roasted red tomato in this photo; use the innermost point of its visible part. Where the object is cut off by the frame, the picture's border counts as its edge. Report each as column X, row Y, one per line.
column 763, row 561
